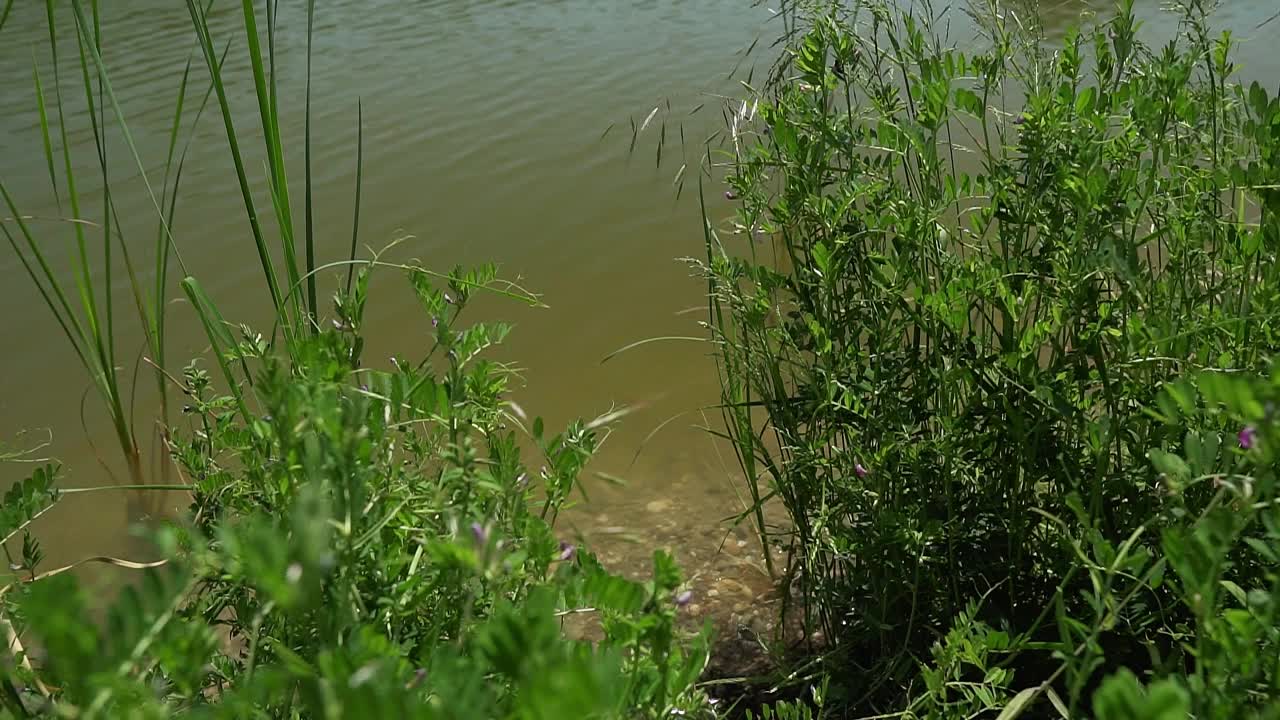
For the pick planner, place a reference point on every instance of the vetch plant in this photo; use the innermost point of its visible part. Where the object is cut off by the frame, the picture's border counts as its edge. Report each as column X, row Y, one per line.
column 984, row 267
column 359, row 541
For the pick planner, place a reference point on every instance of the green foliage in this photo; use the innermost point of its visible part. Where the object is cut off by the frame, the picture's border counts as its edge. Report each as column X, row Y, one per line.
column 365, row 543
column 971, row 650
column 27, row 499
column 969, row 285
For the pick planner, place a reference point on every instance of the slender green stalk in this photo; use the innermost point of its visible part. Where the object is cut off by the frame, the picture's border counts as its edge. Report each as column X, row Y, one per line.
column 44, row 131
column 312, row 306
column 269, row 116
column 355, row 211
column 199, row 20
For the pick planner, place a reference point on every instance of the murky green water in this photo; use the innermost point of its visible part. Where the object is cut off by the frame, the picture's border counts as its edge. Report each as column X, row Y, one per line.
column 483, row 141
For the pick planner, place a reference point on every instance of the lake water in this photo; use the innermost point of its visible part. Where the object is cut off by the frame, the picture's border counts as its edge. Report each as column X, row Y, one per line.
column 486, row 138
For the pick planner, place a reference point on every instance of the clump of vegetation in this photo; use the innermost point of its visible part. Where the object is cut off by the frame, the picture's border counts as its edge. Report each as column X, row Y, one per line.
column 971, row 302
column 361, row 542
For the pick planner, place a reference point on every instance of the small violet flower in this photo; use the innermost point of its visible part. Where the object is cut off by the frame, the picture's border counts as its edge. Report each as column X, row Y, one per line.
column 684, row 598
column 860, row 471
column 1020, row 119
column 730, row 195
column 1248, row 437
column 480, row 533
column 567, row 551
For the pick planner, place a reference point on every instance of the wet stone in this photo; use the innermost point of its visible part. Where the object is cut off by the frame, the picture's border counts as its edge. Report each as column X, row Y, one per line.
column 732, row 587
column 658, row 506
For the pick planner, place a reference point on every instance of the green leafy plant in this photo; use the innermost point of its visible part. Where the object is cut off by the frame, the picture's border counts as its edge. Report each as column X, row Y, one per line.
column 363, row 541
column 953, row 290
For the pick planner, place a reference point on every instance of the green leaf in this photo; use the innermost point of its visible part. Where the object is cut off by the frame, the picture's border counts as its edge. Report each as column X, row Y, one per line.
column 1172, row 466
column 1122, row 697
column 821, row 257
column 1086, row 101
column 27, row 499
column 612, row 593
column 1258, row 99
column 969, row 102
column 1057, row 703
column 1019, row 704
column 1236, row 591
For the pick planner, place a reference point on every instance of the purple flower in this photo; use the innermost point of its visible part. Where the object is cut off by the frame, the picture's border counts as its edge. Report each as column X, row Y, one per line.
column 480, row 533
column 1248, row 437
column 435, row 321
column 860, row 471
column 567, row 551
column 730, row 195
column 684, row 598
column 1020, row 119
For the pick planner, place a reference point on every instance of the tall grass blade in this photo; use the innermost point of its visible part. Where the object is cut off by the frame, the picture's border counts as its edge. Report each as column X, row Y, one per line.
column 101, row 369
column 355, row 215
column 312, row 306
column 735, row 406
column 156, row 333
column 97, row 124
column 199, row 20
column 268, row 114
column 77, row 6
column 44, row 131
